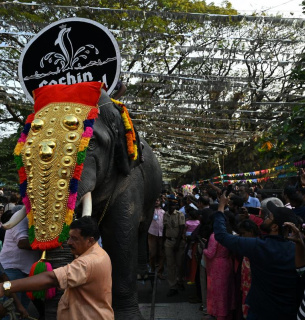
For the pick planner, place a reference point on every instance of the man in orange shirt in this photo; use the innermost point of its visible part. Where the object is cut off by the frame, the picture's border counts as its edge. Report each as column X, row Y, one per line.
column 87, row 280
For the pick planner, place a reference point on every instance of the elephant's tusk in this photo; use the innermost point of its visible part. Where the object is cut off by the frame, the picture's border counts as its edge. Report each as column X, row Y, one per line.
column 87, row 204
column 15, row 219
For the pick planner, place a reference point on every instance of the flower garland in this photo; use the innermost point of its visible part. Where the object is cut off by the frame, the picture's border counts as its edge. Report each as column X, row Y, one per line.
column 130, row 134
column 81, row 155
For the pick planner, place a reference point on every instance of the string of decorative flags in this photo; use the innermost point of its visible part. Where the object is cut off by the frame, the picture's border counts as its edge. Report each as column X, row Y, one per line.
column 250, row 176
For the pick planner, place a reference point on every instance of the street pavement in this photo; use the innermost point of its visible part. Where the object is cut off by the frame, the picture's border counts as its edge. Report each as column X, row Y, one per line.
column 167, row 308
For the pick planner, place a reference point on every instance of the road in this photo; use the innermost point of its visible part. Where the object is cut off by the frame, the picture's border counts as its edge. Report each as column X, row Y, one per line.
column 173, row 308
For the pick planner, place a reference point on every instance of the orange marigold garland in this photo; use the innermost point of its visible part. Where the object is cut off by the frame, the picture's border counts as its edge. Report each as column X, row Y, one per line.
column 130, row 134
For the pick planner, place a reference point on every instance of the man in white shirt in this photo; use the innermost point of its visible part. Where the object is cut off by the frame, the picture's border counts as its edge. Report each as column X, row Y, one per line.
column 17, row 256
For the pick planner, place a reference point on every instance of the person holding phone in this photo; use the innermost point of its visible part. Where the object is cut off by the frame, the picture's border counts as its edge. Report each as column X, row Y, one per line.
column 295, row 235
column 272, row 258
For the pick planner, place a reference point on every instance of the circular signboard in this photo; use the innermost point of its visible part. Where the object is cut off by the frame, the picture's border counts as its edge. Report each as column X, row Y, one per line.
column 70, row 51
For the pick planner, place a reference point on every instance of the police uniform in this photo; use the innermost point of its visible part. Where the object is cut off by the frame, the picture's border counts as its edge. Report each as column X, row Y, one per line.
column 174, row 259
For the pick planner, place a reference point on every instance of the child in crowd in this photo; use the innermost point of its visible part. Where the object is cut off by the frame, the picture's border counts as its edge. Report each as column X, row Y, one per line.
column 191, row 223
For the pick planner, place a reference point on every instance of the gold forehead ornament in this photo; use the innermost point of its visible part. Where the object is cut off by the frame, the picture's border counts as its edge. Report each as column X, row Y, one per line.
column 46, row 150
column 37, row 125
column 71, row 122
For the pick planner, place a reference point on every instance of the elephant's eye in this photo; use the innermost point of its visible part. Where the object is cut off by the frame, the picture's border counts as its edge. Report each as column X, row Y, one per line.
column 92, row 144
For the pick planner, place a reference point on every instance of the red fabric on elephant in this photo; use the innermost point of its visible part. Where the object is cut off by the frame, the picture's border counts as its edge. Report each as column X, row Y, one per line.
column 87, row 93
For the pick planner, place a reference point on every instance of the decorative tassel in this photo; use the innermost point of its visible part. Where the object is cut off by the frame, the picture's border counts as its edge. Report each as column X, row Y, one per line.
column 51, row 291
column 37, row 268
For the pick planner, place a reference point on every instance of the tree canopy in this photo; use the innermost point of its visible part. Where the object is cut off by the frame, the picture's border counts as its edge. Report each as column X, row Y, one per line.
column 200, row 78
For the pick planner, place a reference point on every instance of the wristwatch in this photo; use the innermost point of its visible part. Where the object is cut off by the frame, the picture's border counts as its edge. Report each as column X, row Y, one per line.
column 7, row 286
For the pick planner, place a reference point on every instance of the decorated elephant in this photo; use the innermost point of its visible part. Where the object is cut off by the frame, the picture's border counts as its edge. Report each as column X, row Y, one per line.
column 74, row 159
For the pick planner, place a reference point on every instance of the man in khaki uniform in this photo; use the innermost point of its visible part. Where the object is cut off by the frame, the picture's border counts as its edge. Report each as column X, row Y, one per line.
column 174, row 223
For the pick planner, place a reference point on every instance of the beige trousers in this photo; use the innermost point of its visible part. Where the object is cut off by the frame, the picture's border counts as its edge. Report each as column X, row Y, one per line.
column 174, row 260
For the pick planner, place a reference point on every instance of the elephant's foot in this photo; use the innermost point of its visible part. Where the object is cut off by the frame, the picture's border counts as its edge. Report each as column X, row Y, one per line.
column 129, row 311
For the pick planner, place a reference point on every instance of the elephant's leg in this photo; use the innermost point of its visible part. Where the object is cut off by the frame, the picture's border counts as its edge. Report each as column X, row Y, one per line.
column 153, row 247
column 142, row 254
column 120, row 240
column 143, row 240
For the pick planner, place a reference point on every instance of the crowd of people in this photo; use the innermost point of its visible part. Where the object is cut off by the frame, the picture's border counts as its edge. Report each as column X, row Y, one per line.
column 237, row 245
column 241, row 249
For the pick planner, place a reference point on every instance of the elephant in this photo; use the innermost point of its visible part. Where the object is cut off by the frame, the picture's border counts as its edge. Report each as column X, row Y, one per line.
column 119, row 193
column 133, row 189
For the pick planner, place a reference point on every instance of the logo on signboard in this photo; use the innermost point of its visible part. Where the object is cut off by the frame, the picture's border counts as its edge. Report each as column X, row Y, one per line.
column 70, row 51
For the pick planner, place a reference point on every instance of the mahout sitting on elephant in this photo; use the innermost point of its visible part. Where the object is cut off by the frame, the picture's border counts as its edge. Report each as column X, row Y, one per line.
column 68, row 170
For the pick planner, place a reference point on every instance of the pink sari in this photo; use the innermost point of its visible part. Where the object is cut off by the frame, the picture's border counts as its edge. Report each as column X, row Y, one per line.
column 220, row 280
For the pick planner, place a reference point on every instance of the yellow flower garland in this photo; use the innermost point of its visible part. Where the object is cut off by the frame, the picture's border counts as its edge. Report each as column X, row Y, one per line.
column 130, row 134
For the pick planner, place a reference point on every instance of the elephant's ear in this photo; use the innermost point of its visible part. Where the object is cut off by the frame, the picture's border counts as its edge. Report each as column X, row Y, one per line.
column 121, row 157
column 112, row 118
